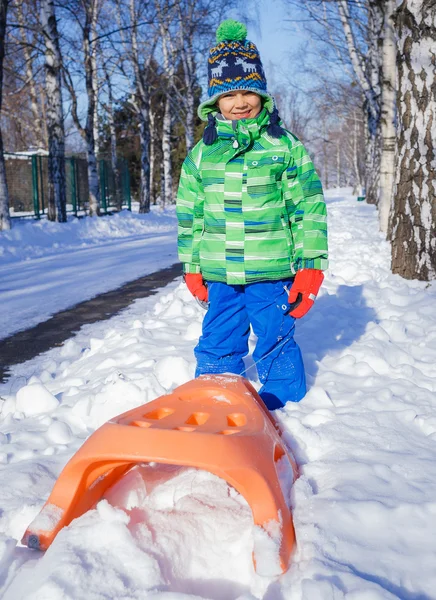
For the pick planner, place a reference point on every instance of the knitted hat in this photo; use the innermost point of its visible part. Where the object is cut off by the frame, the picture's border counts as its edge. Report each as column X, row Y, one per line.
column 234, row 64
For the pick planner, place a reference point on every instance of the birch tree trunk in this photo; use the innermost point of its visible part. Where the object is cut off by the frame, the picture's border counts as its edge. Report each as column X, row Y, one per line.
column 374, row 70
column 355, row 154
column 142, row 104
column 414, row 209
column 5, row 220
column 94, row 51
column 55, row 116
column 166, row 151
column 187, row 56
column 93, row 183
column 37, row 122
column 368, row 78
column 169, row 62
column 113, row 138
column 152, row 155
column 144, row 141
column 388, row 115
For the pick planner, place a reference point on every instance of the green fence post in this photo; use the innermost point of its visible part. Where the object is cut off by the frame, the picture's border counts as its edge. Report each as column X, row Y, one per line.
column 126, row 185
column 35, row 186
column 73, row 184
column 103, row 185
column 41, row 183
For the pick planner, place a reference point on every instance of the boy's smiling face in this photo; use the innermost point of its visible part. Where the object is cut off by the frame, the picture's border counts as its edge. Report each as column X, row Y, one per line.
column 239, row 104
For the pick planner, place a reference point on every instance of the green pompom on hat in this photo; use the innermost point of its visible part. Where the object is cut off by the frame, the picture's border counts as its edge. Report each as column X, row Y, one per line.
column 234, row 64
column 230, row 31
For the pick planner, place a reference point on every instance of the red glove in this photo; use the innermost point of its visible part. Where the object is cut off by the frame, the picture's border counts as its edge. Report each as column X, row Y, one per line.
column 304, row 291
column 196, row 286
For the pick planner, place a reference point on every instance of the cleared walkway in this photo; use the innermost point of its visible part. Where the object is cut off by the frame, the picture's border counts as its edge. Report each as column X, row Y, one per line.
column 27, row 344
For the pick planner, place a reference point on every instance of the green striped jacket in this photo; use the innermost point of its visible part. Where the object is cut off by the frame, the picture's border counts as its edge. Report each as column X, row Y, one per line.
column 250, row 207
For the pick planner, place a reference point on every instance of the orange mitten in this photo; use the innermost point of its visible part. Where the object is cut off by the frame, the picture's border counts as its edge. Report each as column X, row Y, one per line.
column 196, row 285
column 304, row 291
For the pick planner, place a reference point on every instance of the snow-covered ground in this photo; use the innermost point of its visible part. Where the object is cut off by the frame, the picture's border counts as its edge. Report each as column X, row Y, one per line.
column 47, row 267
column 364, row 505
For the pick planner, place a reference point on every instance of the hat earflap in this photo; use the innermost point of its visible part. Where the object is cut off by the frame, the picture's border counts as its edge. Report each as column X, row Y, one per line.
column 274, row 128
column 210, row 134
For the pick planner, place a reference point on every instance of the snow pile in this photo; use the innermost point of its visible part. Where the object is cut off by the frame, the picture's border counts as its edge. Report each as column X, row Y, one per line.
column 48, row 267
column 364, row 438
column 35, row 238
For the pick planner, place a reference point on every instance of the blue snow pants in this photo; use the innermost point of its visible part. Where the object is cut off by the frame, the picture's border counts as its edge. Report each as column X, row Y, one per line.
column 226, row 329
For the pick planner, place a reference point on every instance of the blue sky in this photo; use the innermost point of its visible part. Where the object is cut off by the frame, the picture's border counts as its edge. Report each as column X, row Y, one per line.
column 274, row 35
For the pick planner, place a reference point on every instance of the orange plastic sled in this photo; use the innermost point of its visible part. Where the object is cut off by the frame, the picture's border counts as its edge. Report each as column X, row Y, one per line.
column 217, row 423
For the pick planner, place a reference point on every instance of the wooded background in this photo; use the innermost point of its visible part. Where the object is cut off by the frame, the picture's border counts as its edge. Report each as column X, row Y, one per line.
column 123, row 78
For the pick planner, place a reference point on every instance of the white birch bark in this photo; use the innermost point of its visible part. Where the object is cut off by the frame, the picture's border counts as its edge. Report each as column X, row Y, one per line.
column 413, row 224
column 169, row 60
column 187, row 56
column 5, row 220
column 356, row 59
column 93, row 181
column 388, row 115
column 374, row 75
column 55, row 116
column 152, row 154
column 142, row 104
column 30, row 80
column 113, row 137
column 94, row 51
column 368, row 77
column 356, row 167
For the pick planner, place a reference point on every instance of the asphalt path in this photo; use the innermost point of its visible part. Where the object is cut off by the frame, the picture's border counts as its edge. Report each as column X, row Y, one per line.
column 53, row 332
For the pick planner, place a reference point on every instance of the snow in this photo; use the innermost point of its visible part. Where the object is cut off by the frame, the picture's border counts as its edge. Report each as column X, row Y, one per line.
column 47, row 267
column 364, row 504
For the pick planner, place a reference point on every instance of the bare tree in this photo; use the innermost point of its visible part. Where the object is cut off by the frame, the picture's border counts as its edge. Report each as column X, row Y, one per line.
column 388, row 116
column 30, row 76
column 414, row 211
column 169, row 57
column 109, row 107
column 54, row 114
column 5, row 220
column 85, row 12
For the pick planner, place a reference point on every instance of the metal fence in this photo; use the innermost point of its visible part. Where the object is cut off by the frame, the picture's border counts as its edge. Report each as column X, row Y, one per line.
column 27, row 178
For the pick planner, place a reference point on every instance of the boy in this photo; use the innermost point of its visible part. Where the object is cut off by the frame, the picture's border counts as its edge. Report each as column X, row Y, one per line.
column 252, row 225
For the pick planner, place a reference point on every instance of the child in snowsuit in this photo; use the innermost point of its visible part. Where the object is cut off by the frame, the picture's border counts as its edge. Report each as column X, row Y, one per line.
column 252, row 225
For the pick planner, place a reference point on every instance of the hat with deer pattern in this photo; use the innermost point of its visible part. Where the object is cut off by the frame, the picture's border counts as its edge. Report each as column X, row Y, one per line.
column 234, row 64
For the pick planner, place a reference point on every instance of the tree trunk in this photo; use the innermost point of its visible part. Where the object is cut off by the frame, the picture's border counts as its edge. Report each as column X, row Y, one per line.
column 190, row 119
column 33, row 95
column 356, row 168
column 188, row 63
column 93, row 183
column 113, row 138
column 374, row 75
column 142, row 105
column 169, row 60
column 414, row 210
column 166, row 151
column 388, row 113
column 55, row 116
column 93, row 51
column 144, row 140
column 153, row 194
column 368, row 77
column 5, row 220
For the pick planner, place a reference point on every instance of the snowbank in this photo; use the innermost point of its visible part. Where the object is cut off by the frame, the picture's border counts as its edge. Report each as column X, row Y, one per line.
column 364, row 505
